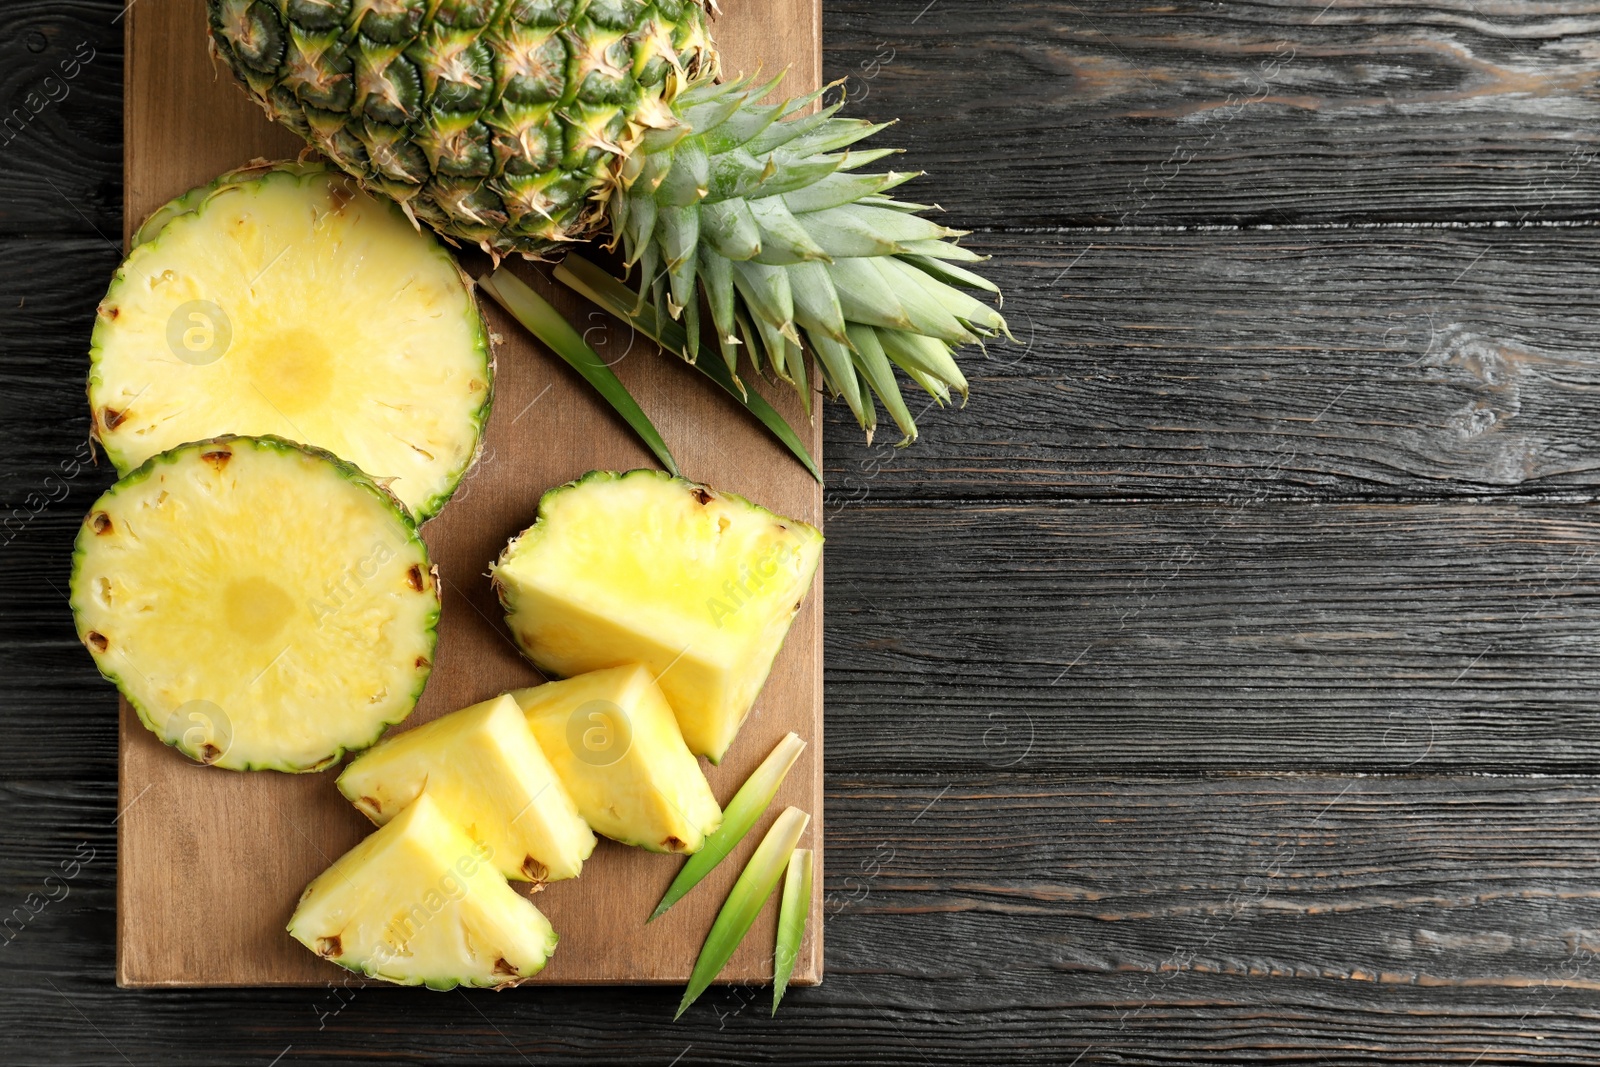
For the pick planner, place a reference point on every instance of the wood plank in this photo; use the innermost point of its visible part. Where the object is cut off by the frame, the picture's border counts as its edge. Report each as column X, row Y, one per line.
column 994, row 917
column 1392, row 111
column 1417, row 638
column 45, row 322
column 1106, row 112
column 247, row 844
column 1257, row 364
column 60, row 128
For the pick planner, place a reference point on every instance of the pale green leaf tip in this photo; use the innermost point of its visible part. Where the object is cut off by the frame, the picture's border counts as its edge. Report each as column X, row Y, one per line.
column 794, row 915
column 748, row 895
column 765, row 781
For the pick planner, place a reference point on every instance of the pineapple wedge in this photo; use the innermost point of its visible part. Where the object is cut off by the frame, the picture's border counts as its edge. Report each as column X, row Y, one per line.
column 483, row 768
column 420, row 903
column 262, row 605
column 698, row 585
column 616, row 747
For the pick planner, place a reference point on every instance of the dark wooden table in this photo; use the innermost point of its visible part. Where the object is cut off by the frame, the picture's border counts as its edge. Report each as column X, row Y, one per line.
column 1220, row 685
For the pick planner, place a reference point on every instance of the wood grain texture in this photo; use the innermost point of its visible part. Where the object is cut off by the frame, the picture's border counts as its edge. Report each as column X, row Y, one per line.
column 1420, row 919
column 1016, row 918
column 60, row 134
column 1289, row 363
column 240, row 848
column 1181, row 637
column 1295, row 364
column 1047, row 113
column 1416, row 638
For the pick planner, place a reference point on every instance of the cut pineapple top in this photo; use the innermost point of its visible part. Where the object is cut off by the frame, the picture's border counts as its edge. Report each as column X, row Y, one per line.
column 483, row 768
column 420, row 903
column 698, row 585
column 281, row 300
column 616, row 747
column 260, row 604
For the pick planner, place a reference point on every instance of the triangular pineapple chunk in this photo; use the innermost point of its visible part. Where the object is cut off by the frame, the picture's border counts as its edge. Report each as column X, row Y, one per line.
column 483, row 768
column 614, row 743
column 420, row 903
column 698, row 585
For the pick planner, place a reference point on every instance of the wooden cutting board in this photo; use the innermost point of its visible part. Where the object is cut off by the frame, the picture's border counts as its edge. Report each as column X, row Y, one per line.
column 211, row 862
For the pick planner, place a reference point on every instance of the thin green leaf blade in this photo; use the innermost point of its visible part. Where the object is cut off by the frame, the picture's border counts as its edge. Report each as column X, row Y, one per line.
column 841, row 188
column 793, row 911
column 747, row 805
column 595, row 284
column 547, row 324
column 949, row 273
column 749, row 894
column 945, row 250
column 874, row 366
column 780, row 134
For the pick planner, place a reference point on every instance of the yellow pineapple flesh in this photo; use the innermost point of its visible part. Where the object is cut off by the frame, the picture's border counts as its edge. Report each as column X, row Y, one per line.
column 281, row 300
column 261, row 605
column 484, row 770
column 418, row 902
column 698, row 585
column 614, row 743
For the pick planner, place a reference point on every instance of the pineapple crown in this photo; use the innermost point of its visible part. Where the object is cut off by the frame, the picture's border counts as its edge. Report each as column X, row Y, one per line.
column 763, row 210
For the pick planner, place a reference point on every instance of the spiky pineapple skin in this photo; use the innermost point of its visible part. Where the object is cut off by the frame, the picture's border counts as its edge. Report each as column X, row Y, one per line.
column 494, row 121
column 82, row 551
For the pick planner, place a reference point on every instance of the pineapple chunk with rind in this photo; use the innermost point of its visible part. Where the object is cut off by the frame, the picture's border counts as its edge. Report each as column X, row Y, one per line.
column 484, row 770
column 418, row 902
column 615, row 745
column 261, row 604
column 698, row 585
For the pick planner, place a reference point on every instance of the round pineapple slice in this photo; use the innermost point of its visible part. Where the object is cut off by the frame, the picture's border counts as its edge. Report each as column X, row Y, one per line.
column 281, row 300
column 261, row 604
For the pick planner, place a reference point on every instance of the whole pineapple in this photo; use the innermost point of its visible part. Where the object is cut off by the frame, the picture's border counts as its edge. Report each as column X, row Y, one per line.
column 525, row 125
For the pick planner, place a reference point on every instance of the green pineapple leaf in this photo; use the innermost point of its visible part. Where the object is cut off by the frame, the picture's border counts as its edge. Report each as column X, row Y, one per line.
column 756, row 883
column 546, row 323
column 601, row 288
column 747, row 805
column 794, row 908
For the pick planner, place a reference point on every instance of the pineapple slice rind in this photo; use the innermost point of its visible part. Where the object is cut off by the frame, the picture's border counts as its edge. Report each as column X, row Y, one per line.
column 279, row 299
